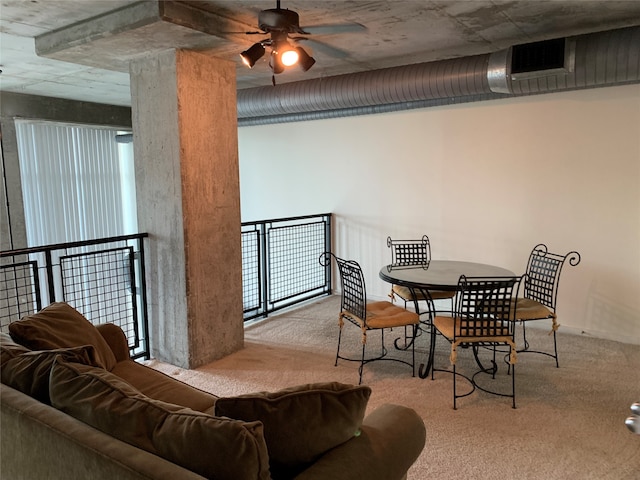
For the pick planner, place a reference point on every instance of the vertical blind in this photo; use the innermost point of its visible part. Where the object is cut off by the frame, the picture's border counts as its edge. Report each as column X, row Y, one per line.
column 77, row 182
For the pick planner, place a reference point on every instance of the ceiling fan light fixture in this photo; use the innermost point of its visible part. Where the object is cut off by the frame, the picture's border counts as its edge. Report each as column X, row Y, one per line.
column 305, row 60
column 280, row 24
column 288, row 55
column 252, row 54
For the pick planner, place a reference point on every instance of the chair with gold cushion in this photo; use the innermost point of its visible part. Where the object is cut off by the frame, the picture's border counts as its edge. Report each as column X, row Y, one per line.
column 415, row 254
column 368, row 316
column 481, row 321
column 541, row 293
column 411, row 254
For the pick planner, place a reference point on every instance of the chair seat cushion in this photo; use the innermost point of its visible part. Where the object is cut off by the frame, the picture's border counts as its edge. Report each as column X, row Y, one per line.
column 405, row 293
column 386, row 314
column 527, row 309
column 450, row 327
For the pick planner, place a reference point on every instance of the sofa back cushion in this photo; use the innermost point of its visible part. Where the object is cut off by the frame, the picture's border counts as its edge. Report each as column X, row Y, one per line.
column 28, row 371
column 61, row 326
column 9, row 348
column 213, row 447
column 301, row 423
column 159, row 386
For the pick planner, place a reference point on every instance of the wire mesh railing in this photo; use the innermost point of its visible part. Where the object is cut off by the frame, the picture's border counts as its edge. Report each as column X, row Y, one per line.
column 103, row 279
column 280, row 266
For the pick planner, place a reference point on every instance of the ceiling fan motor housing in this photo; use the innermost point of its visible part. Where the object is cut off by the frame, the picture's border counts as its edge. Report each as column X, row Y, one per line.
column 279, row 19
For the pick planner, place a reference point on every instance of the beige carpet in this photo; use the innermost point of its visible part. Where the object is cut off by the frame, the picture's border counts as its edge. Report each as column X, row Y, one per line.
column 569, row 423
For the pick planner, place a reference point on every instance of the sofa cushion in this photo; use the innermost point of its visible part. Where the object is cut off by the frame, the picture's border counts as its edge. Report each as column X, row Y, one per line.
column 60, row 326
column 9, row 348
column 301, row 423
column 213, row 447
column 29, row 370
column 157, row 385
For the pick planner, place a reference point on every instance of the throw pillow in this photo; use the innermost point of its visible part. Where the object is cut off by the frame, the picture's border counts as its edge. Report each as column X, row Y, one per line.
column 29, row 371
column 213, row 447
column 60, row 326
column 301, row 423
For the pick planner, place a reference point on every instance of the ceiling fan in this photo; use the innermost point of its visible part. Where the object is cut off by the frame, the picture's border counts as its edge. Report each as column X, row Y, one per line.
column 280, row 24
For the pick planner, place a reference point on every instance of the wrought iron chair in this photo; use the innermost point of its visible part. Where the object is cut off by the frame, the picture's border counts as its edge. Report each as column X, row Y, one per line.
column 541, row 293
column 367, row 316
column 481, row 318
column 415, row 254
column 411, row 254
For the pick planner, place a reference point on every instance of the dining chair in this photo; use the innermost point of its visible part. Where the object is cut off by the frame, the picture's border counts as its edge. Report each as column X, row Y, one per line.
column 481, row 320
column 368, row 316
column 540, row 293
column 414, row 254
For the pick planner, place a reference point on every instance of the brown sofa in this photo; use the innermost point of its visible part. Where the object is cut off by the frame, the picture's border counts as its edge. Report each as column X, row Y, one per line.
column 75, row 406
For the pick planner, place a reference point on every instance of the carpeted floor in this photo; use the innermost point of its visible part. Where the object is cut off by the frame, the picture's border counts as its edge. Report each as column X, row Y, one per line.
column 569, row 423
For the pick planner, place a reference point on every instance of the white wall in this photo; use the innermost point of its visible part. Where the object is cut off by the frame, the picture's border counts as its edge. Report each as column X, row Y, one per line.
column 486, row 181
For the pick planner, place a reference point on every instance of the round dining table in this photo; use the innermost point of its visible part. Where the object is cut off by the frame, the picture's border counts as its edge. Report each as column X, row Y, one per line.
column 437, row 275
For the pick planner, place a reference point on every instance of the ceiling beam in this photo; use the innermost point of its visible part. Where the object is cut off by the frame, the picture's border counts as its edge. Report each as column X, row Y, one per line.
column 113, row 39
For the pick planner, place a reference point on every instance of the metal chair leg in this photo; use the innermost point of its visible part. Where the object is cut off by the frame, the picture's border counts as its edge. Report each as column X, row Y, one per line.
column 526, row 345
column 338, row 352
column 362, row 363
column 455, row 407
column 513, row 386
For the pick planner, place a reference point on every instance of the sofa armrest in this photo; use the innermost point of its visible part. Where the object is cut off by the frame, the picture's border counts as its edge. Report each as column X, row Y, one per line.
column 392, row 438
column 116, row 339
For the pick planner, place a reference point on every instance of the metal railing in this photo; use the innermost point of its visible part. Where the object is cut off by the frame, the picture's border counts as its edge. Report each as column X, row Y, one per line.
column 103, row 279
column 280, row 266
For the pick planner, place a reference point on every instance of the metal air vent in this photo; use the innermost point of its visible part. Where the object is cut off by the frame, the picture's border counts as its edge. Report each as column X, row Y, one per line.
column 539, row 59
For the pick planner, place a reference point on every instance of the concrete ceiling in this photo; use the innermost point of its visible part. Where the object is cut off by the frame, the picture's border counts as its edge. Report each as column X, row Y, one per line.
column 84, row 46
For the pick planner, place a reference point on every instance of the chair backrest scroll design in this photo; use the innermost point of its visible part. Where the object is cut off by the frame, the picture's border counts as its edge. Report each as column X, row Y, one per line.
column 543, row 274
column 353, row 289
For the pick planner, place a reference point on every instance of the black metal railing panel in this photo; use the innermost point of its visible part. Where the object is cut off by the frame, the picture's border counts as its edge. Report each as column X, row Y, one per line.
column 99, row 284
column 103, row 279
column 280, row 262
column 252, row 267
column 19, row 292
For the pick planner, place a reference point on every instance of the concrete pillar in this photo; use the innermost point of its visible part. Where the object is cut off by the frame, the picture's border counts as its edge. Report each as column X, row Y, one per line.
column 188, row 193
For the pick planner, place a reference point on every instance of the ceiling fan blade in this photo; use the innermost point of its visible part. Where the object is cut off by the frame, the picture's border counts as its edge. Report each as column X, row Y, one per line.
column 323, row 47
column 244, row 33
column 329, row 29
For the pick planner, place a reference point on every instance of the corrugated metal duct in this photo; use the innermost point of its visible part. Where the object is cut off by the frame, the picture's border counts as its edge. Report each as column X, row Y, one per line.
column 598, row 59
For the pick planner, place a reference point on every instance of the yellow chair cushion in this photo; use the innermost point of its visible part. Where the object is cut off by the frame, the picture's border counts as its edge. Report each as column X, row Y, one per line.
column 527, row 309
column 386, row 315
column 405, row 293
column 450, row 328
